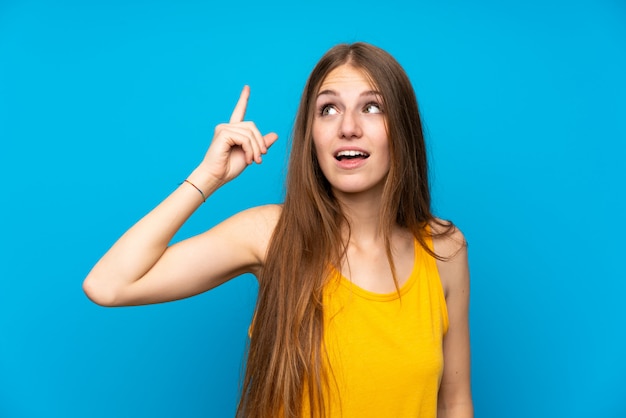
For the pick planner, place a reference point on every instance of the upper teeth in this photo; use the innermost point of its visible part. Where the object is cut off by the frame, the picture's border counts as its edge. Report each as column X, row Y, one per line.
column 350, row 153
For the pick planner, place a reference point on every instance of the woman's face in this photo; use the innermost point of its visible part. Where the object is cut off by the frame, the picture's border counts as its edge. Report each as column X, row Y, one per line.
column 349, row 132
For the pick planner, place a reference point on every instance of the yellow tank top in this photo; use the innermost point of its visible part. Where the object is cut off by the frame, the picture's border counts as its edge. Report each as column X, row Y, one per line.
column 385, row 350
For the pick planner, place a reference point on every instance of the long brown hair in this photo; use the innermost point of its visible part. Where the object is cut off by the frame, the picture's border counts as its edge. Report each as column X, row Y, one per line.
column 286, row 353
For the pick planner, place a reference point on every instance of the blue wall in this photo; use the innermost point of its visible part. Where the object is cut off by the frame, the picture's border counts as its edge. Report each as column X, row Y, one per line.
column 106, row 106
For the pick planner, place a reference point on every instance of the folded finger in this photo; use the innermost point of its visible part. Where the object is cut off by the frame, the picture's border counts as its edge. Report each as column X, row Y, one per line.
column 246, row 139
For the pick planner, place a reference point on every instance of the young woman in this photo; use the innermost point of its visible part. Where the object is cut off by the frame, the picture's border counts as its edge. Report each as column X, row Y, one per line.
column 363, row 294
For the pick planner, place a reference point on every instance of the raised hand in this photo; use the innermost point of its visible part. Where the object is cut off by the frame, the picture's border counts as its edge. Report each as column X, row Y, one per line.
column 236, row 144
column 142, row 267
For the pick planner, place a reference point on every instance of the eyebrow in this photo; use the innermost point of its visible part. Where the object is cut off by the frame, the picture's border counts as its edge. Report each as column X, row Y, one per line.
column 334, row 93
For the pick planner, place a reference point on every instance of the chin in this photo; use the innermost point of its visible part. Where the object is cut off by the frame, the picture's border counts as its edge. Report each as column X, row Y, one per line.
column 358, row 188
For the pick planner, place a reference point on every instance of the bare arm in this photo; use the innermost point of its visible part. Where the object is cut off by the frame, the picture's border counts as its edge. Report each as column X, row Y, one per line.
column 141, row 268
column 455, row 398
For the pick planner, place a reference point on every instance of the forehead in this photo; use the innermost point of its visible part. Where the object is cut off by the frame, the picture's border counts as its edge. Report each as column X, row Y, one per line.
column 346, row 76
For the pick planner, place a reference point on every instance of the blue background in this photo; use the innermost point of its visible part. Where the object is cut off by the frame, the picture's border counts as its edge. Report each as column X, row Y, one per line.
column 106, row 106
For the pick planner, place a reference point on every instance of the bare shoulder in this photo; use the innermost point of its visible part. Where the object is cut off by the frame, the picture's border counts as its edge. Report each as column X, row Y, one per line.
column 452, row 248
column 448, row 240
column 257, row 225
column 265, row 216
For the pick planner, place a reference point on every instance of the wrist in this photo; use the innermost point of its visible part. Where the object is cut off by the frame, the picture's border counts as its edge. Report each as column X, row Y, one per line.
column 205, row 183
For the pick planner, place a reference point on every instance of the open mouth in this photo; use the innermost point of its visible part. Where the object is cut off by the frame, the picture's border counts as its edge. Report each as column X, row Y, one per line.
column 350, row 155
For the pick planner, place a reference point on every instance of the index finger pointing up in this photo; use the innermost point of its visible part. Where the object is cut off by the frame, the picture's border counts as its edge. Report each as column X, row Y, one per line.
column 242, row 104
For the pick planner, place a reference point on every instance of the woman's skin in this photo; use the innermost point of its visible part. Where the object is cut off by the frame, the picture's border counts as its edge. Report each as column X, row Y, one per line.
column 140, row 268
column 351, row 143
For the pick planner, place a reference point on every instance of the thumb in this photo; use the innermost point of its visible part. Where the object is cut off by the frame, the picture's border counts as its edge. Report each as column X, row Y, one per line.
column 270, row 138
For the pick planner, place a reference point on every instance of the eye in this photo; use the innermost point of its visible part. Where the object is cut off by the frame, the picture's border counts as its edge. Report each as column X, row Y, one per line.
column 327, row 109
column 373, row 108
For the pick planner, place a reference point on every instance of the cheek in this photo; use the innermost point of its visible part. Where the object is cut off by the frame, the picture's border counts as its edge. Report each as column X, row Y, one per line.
column 316, row 146
column 318, row 149
column 315, row 132
column 384, row 159
column 383, row 144
column 320, row 139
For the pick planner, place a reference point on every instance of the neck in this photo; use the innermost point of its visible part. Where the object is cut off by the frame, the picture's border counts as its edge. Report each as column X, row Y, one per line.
column 362, row 212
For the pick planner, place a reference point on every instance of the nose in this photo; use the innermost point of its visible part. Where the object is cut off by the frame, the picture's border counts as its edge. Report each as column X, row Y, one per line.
column 349, row 126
